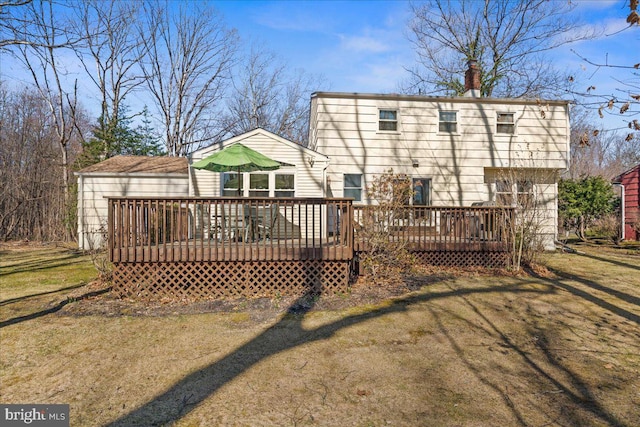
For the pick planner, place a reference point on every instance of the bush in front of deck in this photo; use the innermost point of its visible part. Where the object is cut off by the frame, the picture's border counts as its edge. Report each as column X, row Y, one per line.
column 386, row 255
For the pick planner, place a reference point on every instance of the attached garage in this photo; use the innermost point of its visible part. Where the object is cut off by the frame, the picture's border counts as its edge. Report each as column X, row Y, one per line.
column 124, row 176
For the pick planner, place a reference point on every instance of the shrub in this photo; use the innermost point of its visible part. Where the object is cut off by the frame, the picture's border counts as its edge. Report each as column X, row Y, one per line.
column 386, row 254
column 608, row 227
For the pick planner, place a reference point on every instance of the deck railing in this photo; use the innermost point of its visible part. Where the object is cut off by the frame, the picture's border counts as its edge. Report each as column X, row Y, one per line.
column 229, row 229
column 272, row 229
column 435, row 228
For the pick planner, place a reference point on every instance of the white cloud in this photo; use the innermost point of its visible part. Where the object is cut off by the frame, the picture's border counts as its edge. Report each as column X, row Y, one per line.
column 382, row 77
column 363, row 44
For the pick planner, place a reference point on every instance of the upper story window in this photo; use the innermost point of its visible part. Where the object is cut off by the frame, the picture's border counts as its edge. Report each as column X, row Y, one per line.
column 388, row 120
column 448, row 122
column 353, row 186
column 506, row 123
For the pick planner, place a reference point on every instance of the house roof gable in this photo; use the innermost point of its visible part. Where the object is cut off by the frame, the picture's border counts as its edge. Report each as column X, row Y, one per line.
column 203, row 152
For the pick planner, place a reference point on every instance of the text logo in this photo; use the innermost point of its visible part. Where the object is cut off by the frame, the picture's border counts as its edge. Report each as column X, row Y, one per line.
column 36, row 415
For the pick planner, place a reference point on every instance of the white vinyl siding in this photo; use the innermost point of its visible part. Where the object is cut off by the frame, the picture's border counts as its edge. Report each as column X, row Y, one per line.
column 95, row 188
column 348, row 131
column 308, row 166
column 345, row 126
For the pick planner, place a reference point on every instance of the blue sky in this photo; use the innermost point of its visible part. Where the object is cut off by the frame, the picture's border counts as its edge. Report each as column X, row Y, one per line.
column 362, row 46
column 358, row 46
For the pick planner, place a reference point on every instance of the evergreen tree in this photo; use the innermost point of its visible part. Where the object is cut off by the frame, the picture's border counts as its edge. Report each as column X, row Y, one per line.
column 580, row 202
column 116, row 137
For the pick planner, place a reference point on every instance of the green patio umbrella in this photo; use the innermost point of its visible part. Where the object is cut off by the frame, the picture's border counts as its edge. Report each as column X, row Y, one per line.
column 238, row 158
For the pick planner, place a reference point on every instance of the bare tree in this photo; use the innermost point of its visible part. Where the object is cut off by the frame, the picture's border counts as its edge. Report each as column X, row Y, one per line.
column 254, row 93
column 45, row 36
column 532, row 229
column 623, row 102
column 267, row 95
column 596, row 151
column 508, row 38
column 110, row 53
column 188, row 56
column 386, row 255
column 31, row 197
column 14, row 25
column 589, row 146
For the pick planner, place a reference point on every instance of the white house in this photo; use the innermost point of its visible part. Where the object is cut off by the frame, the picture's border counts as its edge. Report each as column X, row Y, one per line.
column 458, row 151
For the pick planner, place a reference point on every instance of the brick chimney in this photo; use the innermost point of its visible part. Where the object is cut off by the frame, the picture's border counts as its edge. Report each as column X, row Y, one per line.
column 472, row 80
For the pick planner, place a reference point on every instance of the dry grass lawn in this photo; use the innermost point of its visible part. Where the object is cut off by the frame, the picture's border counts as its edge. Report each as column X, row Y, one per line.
column 561, row 348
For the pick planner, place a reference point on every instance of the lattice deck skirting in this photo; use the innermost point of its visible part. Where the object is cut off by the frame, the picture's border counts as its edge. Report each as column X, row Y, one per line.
column 456, row 259
column 463, row 259
column 206, row 280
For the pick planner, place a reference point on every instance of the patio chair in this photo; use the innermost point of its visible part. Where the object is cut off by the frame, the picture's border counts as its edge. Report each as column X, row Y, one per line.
column 235, row 224
column 266, row 218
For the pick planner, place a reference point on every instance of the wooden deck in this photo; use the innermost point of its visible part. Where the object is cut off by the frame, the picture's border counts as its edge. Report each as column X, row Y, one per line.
column 199, row 247
column 229, row 229
column 438, row 229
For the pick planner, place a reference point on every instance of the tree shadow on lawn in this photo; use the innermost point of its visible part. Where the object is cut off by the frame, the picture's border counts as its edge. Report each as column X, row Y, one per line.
column 612, row 261
column 575, row 396
column 37, row 265
column 592, row 298
column 54, row 308
column 25, row 297
column 286, row 334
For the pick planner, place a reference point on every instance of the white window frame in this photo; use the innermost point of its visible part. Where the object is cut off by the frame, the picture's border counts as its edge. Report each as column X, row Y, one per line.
column 275, row 182
column 360, row 188
column 448, row 122
column 235, row 190
column 246, row 183
column 515, row 192
column 387, row 120
column 263, row 192
column 512, row 123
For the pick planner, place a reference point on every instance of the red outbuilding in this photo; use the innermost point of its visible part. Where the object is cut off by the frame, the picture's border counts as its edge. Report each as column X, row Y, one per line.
column 630, row 182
